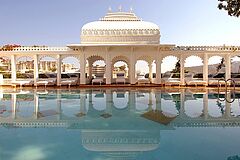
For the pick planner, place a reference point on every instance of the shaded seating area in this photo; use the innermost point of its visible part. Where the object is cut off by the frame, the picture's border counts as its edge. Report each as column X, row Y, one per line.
column 213, row 80
column 98, row 79
column 172, row 79
column 67, row 79
column 120, row 78
column 143, row 79
column 195, row 80
column 22, row 83
column 46, row 79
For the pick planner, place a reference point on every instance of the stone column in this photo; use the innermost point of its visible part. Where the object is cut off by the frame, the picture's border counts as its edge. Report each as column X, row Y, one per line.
column 205, row 67
column 132, row 68
column 59, row 62
column 228, row 67
column 108, row 73
column 82, row 68
column 150, row 71
column 35, row 69
column 13, row 68
column 90, row 70
column 158, row 70
column 182, row 74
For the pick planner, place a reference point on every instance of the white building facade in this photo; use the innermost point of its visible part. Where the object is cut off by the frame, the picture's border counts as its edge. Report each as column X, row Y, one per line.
column 120, row 36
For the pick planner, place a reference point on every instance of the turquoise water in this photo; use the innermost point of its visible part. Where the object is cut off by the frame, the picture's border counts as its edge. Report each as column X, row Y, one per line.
column 117, row 124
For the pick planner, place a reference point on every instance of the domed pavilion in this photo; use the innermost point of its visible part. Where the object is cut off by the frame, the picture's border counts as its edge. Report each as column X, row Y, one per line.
column 118, row 37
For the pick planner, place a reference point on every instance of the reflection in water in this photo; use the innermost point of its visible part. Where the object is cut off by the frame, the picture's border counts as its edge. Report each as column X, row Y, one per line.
column 73, row 104
column 120, row 124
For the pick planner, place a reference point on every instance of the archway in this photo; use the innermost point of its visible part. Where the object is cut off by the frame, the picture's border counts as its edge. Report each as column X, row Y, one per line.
column 142, row 68
column 47, row 65
column 96, row 68
column 120, row 69
column 70, row 68
column 25, row 67
column 216, row 69
column 235, row 67
column 193, row 67
column 170, row 67
column 5, row 69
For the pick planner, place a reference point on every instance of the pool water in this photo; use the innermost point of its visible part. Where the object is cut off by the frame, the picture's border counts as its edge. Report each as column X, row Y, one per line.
column 119, row 124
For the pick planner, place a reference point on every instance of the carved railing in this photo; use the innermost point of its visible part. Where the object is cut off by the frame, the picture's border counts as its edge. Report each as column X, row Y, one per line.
column 207, row 48
column 37, row 48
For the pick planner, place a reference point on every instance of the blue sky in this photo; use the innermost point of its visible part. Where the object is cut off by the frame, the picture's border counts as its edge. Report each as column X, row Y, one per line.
column 58, row 22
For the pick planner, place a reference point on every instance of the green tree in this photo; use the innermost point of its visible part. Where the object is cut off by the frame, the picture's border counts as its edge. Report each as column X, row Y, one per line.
column 220, row 65
column 177, row 67
column 231, row 6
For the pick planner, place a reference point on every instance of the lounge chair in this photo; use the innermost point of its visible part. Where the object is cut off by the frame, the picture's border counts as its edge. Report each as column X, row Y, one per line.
column 195, row 80
column 173, row 80
column 68, row 80
column 46, row 79
column 214, row 79
column 22, row 82
column 143, row 80
column 120, row 78
column 98, row 79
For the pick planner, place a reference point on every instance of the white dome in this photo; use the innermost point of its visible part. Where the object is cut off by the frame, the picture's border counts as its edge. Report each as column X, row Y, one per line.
column 120, row 27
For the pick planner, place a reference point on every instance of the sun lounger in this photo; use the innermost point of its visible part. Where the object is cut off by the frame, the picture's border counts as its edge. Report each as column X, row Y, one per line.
column 22, row 82
column 98, row 79
column 46, row 82
column 143, row 81
column 120, row 78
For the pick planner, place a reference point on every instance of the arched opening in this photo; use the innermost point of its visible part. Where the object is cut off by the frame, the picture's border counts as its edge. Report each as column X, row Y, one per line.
column 142, row 68
column 70, row 70
column 235, row 68
column 193, row 67
column 47, row 72
column 216, row 69
column 143, row 71
column 47, row 65
column 25, row 68
column 170, row 68
column 95, row 69
column 70, row 65
column 120, row 72
column 5, row 69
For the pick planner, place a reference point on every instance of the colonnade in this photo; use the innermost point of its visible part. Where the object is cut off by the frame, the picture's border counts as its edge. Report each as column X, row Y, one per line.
column 132, row 57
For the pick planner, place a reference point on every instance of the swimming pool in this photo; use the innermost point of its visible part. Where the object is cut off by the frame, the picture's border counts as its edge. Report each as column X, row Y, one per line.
column 116, row 124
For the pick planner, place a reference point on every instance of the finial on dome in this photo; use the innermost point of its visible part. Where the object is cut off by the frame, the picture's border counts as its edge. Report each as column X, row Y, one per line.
column 109, row 9
column 131, row 10
column 120, row 8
